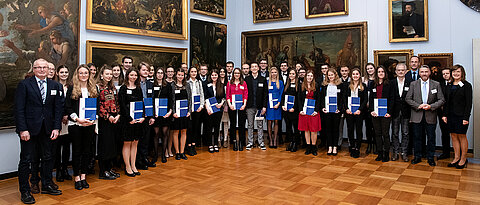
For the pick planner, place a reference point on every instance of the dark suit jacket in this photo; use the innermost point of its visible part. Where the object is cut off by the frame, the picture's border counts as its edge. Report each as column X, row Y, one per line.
column 363, row 94
column 31, row 113
column 416, row 21
column 340, row 97
column 461, row 98
column 262, row 92
column 208, row 91
column 292, row 90
column 386, row 93
column 398, row 102
column 302, row 94
column 414, row 99
column 71, row 105
column 408, row 76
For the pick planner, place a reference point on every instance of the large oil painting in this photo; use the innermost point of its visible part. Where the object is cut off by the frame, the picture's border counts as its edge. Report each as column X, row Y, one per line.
column 408, row 20
column 215, row 8
column 208, row 44
column 271, row 10
column 101, row 53
column 158, row 18
column 30, row 30
column 338, row 44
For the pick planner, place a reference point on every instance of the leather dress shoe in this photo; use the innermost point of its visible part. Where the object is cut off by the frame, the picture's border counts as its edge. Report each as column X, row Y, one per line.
column 27, row 198
column 50, row 190
column 141, row 166
column 85, row 185
column 444, row 156
column 107, row 176
column 177, row 156
column 55, row 186
column 78, row 185
column 431, row 162
column 114, row 173
column 416, row 160
column 150, row 164
column 183, row 156
column 35, row 188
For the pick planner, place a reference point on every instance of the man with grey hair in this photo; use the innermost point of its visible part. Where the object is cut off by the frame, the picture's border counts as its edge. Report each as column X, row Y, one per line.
column 400, row 113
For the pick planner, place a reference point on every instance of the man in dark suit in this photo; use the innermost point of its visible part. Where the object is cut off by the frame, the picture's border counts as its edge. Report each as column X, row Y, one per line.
column 446, row 79
column 400, row 113
column 38, row 113
column 410, row 18
column 142, row 161
column 204, row 117
column 425, row 97
column 344, row 76
column 263, row 68
column 412, row 74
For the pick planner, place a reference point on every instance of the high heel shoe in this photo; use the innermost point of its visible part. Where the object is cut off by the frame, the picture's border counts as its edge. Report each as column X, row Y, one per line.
column 137, row 173
column 210, row 149
column 329, row 152
column 130, row 175
column 78, row 185
column 215, row 148
column 462, row 166
column 334, row 151
column 85, row 185
column 453, row 164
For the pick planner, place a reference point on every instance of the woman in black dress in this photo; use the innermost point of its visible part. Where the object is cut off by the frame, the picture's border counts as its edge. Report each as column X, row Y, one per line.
column 163, row 90
column 132, row 129
column 64, row 140
column 456, row 113
column 180, row 91
column 291, row 115
column 215, row 89
column 368, row 80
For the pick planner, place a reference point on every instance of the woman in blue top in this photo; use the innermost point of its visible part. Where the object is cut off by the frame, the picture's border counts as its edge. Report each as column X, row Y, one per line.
column 274, row 113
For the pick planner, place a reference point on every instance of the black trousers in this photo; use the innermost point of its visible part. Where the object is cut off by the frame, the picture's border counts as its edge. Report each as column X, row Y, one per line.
column 143, row 143
column 212, row 129
column 82, row 138
column 369, row 131
column 382, row 133
column 242, row 119
column 291, row 123
column 193, row 134
column 106, row 145
column 331, row 128
column 203, row 122
column 63, row 151
column 28, row 149
column 445, row 136
column 323, row 133
column 354, row 128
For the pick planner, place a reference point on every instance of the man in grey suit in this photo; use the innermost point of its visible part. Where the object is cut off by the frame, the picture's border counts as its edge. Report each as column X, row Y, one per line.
column 425, row 96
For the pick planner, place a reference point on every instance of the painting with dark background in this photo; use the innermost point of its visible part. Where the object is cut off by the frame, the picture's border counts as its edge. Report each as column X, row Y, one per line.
column 209, row 7
column 318, row 7
column 271, row 10
column 473, row 4
column 340, row 44
column 25, row 35
column 208, row 44
column 408, row 20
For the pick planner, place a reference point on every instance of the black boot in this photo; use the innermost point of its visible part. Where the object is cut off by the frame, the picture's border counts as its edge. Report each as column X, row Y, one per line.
column 314, row 150
column 374, row 148
column 59, row 175
column 194, row 151
column 188, row 150
column 294, row 147
column 379, row 157
column 308, row 150
column 235, row 145
column 240, row 146
column 386, row 156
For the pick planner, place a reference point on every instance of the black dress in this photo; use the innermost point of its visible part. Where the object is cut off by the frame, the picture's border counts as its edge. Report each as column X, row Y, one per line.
column 164, row 92
column 181, row 93
column 130, row 132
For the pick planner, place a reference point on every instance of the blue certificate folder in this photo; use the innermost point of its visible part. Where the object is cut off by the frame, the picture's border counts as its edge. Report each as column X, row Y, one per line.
column 331, row 103
column 272, row 99
column 380, row 106
column 161, row 106
column 181, row 108
column 196, row 102
column 136, row 110
column 353, row 104
column 88, row 108
column 237, row 101
column 148, row 103
column 212, row 105
column 289, row 101
column 309, row 106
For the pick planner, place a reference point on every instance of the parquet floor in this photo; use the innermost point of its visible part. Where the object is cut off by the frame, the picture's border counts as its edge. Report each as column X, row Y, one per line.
column 274, row 177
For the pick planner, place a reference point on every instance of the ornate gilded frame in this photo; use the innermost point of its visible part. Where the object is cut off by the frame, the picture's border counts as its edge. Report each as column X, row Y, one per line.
column 338, row 13
column 193, row 10
column 408, row 53
column 269, row 20
column 390, row 24
column 431, row 56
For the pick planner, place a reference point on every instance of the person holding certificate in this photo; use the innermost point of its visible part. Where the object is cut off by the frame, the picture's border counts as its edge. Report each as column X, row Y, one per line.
column 197, row 106
column 182, row 105
column 62, row 155
column 290, row 107
column 162, row 89
column 381, row 120
column 237, row 95
column 356, row 97
column 332, row 106
column 308, row 119
column 82, row 130
column 132, row 128
column 214, row 89
column 274, row 114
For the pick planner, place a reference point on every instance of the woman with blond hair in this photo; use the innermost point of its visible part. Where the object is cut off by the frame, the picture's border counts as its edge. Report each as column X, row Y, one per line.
column 274, row 113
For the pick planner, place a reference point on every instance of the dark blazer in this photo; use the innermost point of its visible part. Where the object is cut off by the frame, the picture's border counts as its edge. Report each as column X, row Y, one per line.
column 386, row 93
column 262, row 92
column 363, row 94
column 149, row 89
column 124, row 100
column 414, row 99
column 398, row 102
column 209, row 93
column 408, row 76
column 340, row 97
column 302, row 94
column 71, row 105
column 31, row 113
column 164, row 92
column 461, row 98
column 292, row 89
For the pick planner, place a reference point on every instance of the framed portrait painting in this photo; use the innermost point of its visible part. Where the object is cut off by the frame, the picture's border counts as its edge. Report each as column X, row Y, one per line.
column 26, row 35
column 321, row 8
column 208, row 44
column 157, row 18
column 215, row 8
column 102, row 53
column 271, row 10
column 436, row 61
column 337, row 44
column 408, row 20
column 390, row 58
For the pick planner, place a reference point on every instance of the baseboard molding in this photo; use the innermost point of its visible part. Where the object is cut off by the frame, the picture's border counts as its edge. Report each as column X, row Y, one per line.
column 8, row 175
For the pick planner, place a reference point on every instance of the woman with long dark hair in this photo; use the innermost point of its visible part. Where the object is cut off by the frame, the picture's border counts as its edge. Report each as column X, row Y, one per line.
column 225, row 119
column 237, row 86
column 197, row 90
column 64, row 140
column 163, row 90
column 181, row 91
column 368, row 80
column 355, row 118
column 310, row 124
column 291, row 115
column 215, row 89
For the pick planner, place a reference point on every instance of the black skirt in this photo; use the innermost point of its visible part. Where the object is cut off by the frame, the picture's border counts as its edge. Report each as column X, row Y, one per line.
column 106, row 139
column 181, row 123
column 163, row 122
column 455, row 125
column 132, row 132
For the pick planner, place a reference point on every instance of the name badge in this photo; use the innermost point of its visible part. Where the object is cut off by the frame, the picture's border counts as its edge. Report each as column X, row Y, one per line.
column 129, row 92
column 338, row 90
column 292, row 85
column 460, row 84
column 241, row 87
column 177, row 91
column 306, row 92
column 149, row 91
column 156, row 88
column 434, row 91
column 406, row 88
column 209, row 85
column 374, row 90
column 53, row 92
column 267, row 78
column 270, row 87
column 260, row 85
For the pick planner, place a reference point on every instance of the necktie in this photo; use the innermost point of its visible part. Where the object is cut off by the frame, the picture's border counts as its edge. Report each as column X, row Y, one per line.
column 414, row 75
column 42, row 90
column 424, row 93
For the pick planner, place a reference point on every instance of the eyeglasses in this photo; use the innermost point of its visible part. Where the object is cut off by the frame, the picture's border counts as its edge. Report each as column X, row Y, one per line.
column 41, row 67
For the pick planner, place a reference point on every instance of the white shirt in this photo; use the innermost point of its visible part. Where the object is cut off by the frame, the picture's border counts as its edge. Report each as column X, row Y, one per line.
column 400, row 84
column 332, row 90
column 194, row 87
column 354, row 93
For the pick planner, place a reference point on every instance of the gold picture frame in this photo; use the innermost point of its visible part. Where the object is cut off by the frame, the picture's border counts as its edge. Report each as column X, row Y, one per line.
column 199, row 11
column 445, row 59
column 330, row 11
column 254, row 10
column 141, row 25
column 416, row 17
column 402, row 56
column 110, row 53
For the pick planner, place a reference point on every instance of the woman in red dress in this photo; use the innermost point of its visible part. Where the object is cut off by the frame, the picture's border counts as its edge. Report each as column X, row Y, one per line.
column 309, row 123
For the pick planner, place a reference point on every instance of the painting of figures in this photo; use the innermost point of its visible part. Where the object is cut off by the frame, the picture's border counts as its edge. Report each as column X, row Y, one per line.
column 208, row 44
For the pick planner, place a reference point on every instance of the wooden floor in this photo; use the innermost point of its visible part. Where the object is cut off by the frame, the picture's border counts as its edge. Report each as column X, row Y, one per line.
column 274, row 177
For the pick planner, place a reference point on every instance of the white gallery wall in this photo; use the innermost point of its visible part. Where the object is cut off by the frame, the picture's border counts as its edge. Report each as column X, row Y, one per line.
column 452, row 26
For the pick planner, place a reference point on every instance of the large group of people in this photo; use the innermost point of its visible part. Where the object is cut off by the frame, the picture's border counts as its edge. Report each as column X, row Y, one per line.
column 223, row 105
